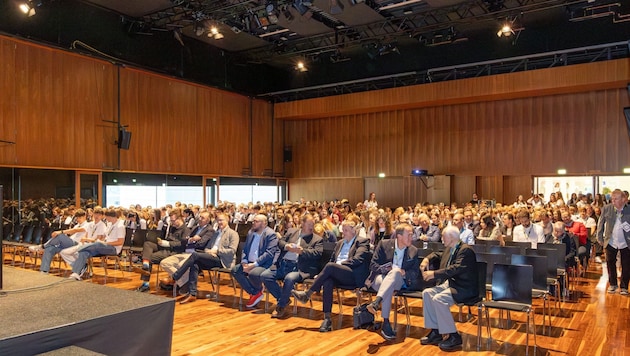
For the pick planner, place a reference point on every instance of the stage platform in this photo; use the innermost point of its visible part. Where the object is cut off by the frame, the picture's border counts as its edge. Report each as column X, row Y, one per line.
column 43, row 313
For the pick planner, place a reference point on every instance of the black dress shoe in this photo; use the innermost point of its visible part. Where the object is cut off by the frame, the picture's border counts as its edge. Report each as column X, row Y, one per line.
column 434, row 338
column 453, row 342
column 326, row 326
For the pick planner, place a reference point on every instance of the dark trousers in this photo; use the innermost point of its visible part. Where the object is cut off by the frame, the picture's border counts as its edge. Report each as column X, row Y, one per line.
column 332, row 275
column 288, row 272
column 154, row 254
column 611, row 264
column 196, row 262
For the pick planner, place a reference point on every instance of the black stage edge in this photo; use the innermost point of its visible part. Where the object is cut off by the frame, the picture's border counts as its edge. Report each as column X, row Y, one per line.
column 43, row 313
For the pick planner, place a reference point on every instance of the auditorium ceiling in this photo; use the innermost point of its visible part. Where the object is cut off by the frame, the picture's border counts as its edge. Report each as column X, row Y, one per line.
column 254, row 46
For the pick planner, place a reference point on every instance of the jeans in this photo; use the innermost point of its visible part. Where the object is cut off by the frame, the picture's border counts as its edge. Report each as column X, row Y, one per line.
column 96, row 249
column 53, row 247
column 332, row 275
column 611, row 264
column 193, row 265
column 250, row 282
column 289, row 272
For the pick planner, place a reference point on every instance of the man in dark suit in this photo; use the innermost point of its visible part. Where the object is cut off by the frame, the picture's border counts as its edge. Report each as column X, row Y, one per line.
column 300, row 251
column 219, row 251
column 394, row 266
column 259, row 253
column 470, row 223
column 348, row 266
column 457, row 283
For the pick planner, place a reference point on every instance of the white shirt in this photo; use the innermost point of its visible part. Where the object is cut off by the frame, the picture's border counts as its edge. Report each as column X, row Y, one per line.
column 77, row 236
column 115, row 232
column 96, row 229
column 533, row 233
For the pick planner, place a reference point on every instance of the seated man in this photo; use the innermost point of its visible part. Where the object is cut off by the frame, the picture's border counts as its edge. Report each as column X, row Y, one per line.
column 174, row 243
column 457, row 283
column 114, row 240
column 526, row 231
column 348, row 266
column 426, row 231
column 197, row 239
column 259, row 253
column 95, row 231
column 576, row 228
column 300, row 251
column 219, row 251
column 393, row 266
column 62, row 239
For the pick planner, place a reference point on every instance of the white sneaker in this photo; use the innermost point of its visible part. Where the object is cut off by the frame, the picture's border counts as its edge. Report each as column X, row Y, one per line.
column 35, row 248
column 75, row 276
column 624, row 291
column 598, row 259
column 612, row 289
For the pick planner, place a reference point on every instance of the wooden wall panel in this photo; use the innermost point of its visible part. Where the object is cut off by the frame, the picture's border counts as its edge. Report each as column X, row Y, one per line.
column 327, row 189
column 60, row 102
column 513, row 186
column 558, row 80
column 581, row 132
column 262, row 139
column 391, row 190
column 8, row 110
column 490, row 187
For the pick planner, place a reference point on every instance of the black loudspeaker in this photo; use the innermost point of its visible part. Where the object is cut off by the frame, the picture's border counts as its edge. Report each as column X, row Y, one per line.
column 626, row 111
column 288, row 155
column 124, row 139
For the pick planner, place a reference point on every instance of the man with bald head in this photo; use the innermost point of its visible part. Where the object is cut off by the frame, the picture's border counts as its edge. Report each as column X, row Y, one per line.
column 259, row 253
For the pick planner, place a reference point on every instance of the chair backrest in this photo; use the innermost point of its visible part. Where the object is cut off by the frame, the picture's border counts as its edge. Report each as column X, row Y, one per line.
column 512, row 283
column 561, row 251
column 487, row 242
column 139, row 237
column 436, row 246
column 539, row 264
column 491, row 259
column 506, row 250
column 242, row 230
column 152, row 235
column 552, row 269
column 329, row 250
column 521, row 244
column 478, row 247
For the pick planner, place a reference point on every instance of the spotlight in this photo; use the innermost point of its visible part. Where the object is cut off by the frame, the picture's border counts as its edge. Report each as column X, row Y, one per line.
column 505, row 31
column 27, row 8
column 301, row 67
column 214, row 33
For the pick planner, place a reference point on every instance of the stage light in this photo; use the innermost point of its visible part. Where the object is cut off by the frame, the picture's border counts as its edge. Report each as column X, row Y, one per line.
column 505, row 31
column 301, row 67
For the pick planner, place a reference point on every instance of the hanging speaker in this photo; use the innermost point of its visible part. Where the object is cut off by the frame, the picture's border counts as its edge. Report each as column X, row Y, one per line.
column 124, row 139
column 288, row 155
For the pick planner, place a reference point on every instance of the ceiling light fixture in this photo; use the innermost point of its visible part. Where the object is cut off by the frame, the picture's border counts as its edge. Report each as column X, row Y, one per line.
column 505, row 31
column 301, row 67
column 398, row 4
column 27, row 8
column 214, row 33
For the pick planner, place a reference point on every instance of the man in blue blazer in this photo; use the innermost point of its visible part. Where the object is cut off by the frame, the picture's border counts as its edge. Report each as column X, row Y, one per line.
column 348, row 266
column 395, row 265
column 259, row 253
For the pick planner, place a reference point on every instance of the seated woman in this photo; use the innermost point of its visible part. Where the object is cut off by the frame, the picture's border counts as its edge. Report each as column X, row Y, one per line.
column 489, row 230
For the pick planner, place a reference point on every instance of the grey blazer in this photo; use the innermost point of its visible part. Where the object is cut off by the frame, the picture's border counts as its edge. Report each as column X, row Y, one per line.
column 227, row 246
column 606, row 223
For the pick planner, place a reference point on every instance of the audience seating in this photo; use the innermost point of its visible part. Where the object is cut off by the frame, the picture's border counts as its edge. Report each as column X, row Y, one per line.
column 539, row 287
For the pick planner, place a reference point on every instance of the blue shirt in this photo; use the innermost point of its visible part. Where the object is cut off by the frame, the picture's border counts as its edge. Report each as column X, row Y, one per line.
column 253, row 249
column 345, row 250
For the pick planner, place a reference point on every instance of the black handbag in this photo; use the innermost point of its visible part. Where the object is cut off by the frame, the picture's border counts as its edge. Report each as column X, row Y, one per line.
column 362, row 318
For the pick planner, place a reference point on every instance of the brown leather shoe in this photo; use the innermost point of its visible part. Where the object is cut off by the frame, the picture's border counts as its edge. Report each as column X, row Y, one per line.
column 169, row 281
column 188, row 299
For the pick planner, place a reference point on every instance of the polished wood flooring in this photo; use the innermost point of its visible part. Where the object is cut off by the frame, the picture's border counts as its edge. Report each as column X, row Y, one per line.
column 591, row 322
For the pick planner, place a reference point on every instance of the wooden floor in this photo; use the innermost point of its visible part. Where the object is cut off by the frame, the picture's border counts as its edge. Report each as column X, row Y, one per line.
column 592, row 323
